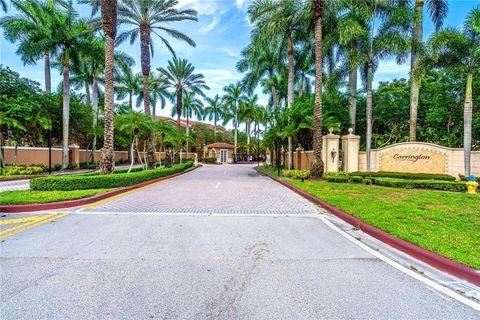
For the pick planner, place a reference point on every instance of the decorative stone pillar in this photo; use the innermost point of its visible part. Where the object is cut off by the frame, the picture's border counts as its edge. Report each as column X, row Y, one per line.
column 297, row 163
column 351, row 151
column 330, row 151
column 74, row 155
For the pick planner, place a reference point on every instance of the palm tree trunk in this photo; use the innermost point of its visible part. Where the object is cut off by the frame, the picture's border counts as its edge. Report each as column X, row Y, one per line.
column 48, row 78
column 179, row 106
column 417, row 35
column 87, row 93
column 369, row 114
column 291, row 82
column 130, row 100
column 145, row 61
column 247, row 127
column 65, row 111
column 187, row 129
column 235, row 138
column 317, row 163
column 300, row 86
column 215, row 125
column 109, row 22
column 95, row 117
column 467, row 125
column 352, row 97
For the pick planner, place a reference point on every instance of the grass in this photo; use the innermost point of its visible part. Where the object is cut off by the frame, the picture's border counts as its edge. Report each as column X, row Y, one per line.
column 30, row 197
column 447, row 223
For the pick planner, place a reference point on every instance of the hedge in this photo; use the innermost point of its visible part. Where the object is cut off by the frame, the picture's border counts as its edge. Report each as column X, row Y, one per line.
column 296, row 174
column 22, row 170
column 119, row 180
column 402, row 175
column 210, row 160
column 421, row 184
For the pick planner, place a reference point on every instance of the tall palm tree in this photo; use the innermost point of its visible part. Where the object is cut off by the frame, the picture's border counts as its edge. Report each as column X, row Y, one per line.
column 192, row 106
column 285, row 18
column 147, row 17
column 33, row 28
column 128, row 84
column 458, row 50
column 4, row 6
column 179, row 75
column 317, row 163
column 248, row 109
column 438, row 11
column 214, row 111
column 158, row 89
column 232, row 99
column 109, row 24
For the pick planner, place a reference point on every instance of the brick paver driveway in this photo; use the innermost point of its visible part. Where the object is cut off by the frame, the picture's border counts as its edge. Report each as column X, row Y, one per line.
column 220, row 242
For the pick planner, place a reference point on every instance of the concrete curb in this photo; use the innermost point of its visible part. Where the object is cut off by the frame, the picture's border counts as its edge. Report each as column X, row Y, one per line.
column 444, row 264
column 84, row 201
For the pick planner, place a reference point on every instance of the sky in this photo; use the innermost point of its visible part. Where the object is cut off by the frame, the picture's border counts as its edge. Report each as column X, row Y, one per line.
column 222, row 31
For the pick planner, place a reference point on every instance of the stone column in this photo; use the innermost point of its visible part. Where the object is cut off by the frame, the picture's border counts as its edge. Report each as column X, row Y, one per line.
column 330, row 151
column 351, row 151
column 74, row 155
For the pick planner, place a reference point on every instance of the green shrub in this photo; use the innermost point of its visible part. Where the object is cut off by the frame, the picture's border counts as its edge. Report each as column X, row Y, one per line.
column 296, row 174
column 57, row 167
column 356, row 179
column 22, row 170
column 210, row 160
column 338, row 178
column 97, row 181
column 402, row 175
column 367, row 181
column 71, row 166
column 421, row 184
column 88, row 165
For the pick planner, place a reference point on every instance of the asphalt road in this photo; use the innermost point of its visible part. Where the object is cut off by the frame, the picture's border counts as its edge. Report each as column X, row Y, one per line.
column 220, row 242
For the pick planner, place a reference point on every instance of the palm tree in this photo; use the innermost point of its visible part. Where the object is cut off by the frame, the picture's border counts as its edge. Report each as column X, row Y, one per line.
column 109, row 24
column 33, row 28
column 4, row 6
column 179, row 76
column 147, row 17
column 191, row 106
column 248, row 109
column 232, row 99
column 458, row 50
column 317, row 163
column 128, row 83
column 438, row 11
column 214, row 111
column 158, row 89
column 285, row 18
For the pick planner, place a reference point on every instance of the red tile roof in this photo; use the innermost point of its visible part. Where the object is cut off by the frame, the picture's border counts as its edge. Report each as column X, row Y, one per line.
column 221, row 145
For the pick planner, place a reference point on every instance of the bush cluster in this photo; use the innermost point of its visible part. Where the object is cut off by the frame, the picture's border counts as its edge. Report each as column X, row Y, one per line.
column 88, row 165
column 84, row 182
column 296, row 174
column 409, row 183
column 22, row 170
column 210, row 160
column 402, row 175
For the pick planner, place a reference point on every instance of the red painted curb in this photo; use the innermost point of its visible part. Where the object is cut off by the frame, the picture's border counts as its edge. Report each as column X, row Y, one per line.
column 444, row 264
column 83, row 201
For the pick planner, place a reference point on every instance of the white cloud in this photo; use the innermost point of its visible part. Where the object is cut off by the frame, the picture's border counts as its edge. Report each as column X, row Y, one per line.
column 240, row 4
column 231, row 53
column 219, row 78
column 209, row 27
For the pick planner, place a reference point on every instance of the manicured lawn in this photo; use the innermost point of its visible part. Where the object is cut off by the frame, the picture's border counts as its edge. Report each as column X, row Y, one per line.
column 447, row 223
column 29, row 197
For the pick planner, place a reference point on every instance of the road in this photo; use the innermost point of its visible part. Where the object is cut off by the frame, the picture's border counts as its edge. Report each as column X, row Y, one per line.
column 220, row 242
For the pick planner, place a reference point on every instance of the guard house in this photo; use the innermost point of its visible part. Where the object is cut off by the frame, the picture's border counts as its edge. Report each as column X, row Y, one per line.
column 220, row 150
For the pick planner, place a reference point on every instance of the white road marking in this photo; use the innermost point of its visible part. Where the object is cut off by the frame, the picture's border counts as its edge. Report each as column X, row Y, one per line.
column 452, row 294
column 218, row 184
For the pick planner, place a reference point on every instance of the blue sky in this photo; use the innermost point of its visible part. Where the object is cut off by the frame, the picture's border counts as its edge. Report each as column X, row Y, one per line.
column 220, row 34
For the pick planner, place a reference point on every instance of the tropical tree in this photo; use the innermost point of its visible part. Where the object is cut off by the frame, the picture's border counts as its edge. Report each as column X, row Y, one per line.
column 438, row 11
column 232, row 99
column 317, row 163
column 109, row 24
column 128, row 84
column 248, row 110
column 180, row 77
column 34, row 30
column 4, row 6
column 214, row 111
column 191, row 106
column 458, row 50
column 286, row 18
column 158, row 93
column 149, row 17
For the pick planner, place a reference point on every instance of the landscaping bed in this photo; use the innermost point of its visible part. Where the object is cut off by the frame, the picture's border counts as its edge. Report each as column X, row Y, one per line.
column 446, row 223
column 29, row 197
column 99, row 181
